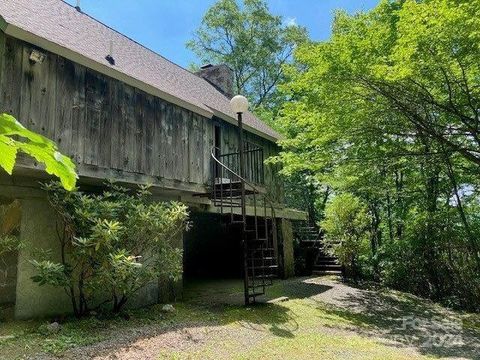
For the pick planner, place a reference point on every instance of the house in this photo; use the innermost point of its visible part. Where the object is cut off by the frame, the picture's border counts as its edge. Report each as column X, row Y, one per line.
column 123, row 112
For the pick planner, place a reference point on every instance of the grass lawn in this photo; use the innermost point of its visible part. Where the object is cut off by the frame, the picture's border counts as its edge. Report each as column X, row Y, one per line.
column 323, row 319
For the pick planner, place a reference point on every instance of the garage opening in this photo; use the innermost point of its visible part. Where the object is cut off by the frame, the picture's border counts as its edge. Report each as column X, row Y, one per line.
column 212, row 250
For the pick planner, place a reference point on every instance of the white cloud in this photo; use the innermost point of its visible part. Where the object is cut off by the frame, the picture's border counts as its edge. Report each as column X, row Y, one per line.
column 291, row 21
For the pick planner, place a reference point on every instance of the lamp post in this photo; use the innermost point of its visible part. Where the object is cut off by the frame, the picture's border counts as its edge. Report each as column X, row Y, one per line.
column 239, row 105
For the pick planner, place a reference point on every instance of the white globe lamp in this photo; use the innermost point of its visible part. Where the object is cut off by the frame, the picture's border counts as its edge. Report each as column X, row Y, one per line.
column 239, row 104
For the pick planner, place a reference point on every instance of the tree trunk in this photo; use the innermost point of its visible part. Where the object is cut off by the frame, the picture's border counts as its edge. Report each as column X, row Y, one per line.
column 471, row 238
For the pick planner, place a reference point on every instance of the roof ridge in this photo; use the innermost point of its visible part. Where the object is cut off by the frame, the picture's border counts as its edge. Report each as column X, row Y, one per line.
column 129, row 38
column 146, row 48
column 67, row 33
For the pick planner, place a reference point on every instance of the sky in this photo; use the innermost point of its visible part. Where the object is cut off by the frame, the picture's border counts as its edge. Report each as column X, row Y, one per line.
column 165, row 26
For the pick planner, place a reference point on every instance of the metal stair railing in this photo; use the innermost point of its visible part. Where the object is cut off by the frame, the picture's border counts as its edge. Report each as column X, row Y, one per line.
column 228, row 196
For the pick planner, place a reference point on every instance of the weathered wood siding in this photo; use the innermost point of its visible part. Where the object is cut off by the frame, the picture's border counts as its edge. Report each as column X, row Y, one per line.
column 103, row 123
column 229, row 144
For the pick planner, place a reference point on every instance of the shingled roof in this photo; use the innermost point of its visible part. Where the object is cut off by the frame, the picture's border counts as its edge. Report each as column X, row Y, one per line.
column 60, row 28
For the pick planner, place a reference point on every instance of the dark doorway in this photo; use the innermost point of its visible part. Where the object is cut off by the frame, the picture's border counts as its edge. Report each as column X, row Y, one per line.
column 211, row 248
column 218, row 146
column 218, row 137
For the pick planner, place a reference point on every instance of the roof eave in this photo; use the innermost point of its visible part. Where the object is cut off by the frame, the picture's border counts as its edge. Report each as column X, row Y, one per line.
column 3, row 24
column 109, row 71
column 246, row 127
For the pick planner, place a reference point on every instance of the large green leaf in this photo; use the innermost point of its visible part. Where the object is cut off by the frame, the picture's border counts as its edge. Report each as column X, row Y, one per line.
column 8, row 152
column 15, row 137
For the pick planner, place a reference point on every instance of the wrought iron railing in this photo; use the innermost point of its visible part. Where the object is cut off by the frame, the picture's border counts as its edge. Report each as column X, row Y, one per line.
column 253, row 163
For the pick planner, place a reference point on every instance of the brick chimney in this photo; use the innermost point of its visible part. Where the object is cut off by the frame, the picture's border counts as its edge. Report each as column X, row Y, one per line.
column 220, row 76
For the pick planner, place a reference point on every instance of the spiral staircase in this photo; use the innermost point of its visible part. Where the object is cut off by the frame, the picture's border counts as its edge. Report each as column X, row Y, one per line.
column 245, row 207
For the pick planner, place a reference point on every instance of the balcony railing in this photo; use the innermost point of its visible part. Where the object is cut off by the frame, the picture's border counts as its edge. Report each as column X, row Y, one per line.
column 254, row 167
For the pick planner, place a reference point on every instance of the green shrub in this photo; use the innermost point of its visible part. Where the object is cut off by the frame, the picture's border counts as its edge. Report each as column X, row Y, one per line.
column 112, row 244
column 346, row 231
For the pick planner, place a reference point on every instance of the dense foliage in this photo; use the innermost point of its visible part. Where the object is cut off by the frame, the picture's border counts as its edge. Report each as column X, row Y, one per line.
column 253, row 42
column 111, row 245
column 14, row 138
column 346, row 228
column 387, row 113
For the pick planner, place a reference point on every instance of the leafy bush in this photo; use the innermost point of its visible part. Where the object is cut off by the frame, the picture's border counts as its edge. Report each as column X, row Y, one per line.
column 111, row 244
column 9, row 243
column 346, row 231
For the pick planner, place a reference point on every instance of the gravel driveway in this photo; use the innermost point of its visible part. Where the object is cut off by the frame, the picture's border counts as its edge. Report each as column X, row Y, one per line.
column 321, row 312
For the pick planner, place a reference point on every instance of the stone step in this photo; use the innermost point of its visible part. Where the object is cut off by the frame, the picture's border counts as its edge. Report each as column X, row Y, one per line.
column 328, row 272
column 327, row 266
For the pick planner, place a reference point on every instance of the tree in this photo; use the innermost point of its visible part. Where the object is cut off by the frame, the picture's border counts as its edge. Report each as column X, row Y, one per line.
column 14, row 138
column 387, row 110
column 394, row 61
column 111, row 245
column 253, row 42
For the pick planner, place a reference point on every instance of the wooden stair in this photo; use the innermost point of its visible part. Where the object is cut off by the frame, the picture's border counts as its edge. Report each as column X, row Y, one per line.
column 326, row 265
column 312, row 239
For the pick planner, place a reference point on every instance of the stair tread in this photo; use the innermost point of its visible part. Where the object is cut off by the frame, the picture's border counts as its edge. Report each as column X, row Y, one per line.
column 256, row 294
column 324, row 266
column 264, row 267
column 265, row 276
column 326, row 272
column 260, row 249
column 257, row 286
column 328, row 267
column 225, row 194
column 260, row 258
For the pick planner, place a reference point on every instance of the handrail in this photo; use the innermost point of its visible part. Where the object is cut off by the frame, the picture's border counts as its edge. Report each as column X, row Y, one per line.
column 245, row 151
column 242, row 179
column 270, row 242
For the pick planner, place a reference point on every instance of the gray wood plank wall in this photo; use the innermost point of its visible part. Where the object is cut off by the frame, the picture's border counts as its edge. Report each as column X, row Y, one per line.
column 104, row 123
